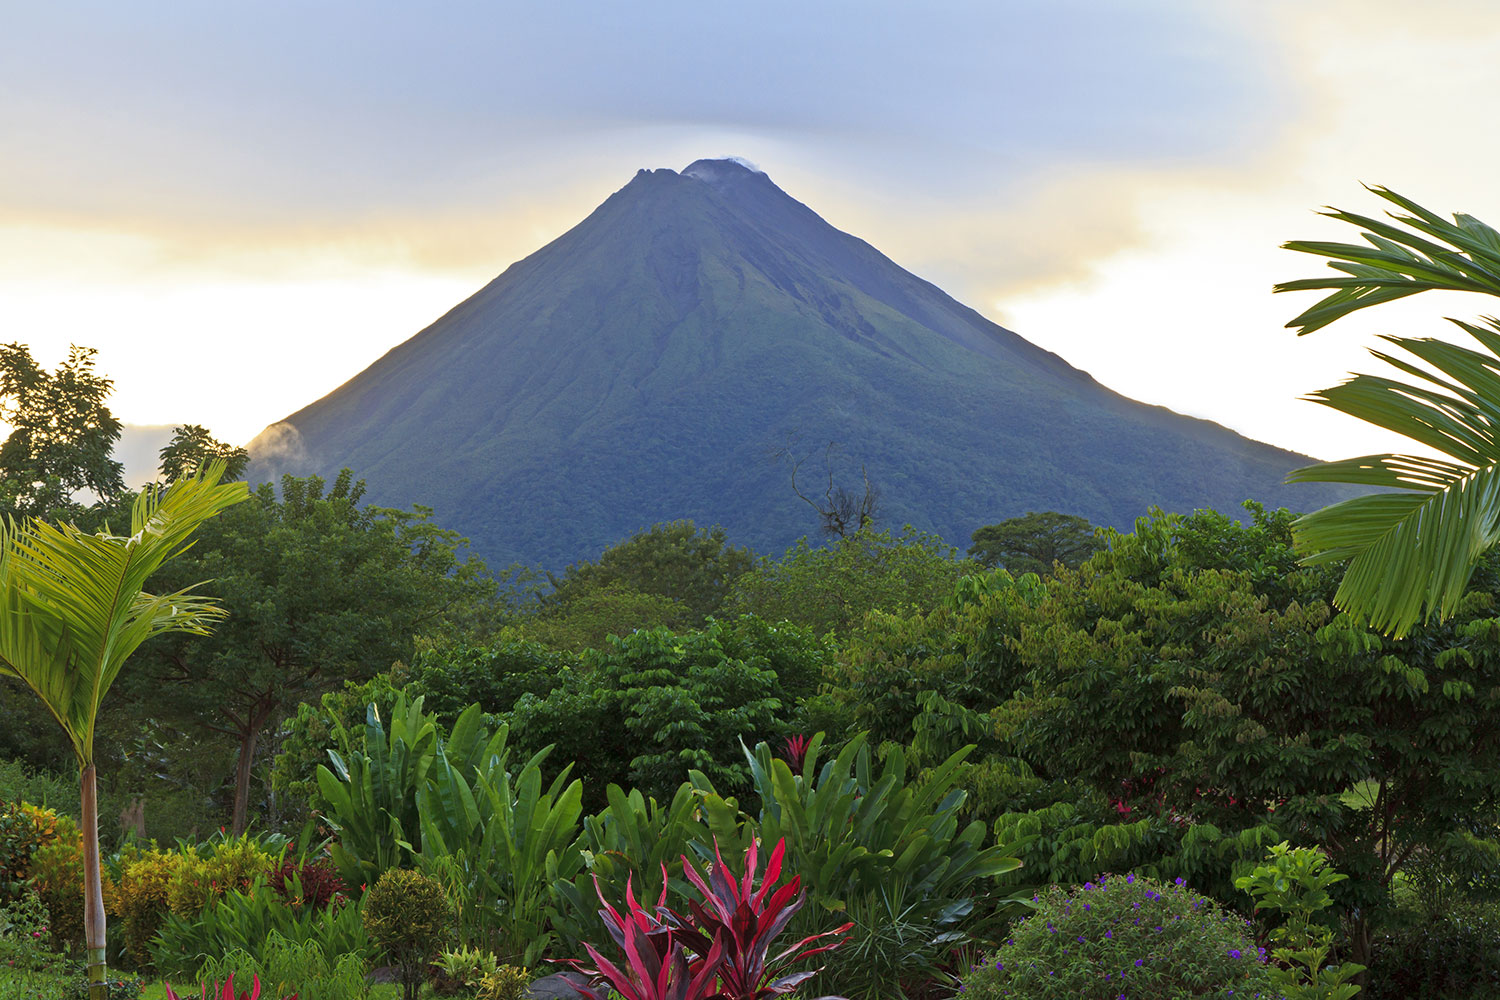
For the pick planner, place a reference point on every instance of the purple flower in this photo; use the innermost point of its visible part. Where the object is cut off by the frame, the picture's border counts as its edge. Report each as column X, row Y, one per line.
column 1140, row 962
column 1234, row 953
column 1179, row 881
column 1129, row 879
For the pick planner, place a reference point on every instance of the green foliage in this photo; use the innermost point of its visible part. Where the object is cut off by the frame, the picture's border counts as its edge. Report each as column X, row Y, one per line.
column 866, row 841
column 452, row 676
column 647, row 708
column 1295, row 883
column 20, row 783
column 592, row 617
column 327, row 591
column 310, row 732
column 505, row 983
column 407, row 916
column 1411, row 548
column 674, row 560
column 461, row 970
column 832, row 588
column 373, row 793
column 447, row 802
column 1122, row 936
column 633, row 842
column 61, row 435
column 245, row 921
column 192, row 446
column 26, row 936
column 1031, row 544
column 1448, row 956
column 287, row 968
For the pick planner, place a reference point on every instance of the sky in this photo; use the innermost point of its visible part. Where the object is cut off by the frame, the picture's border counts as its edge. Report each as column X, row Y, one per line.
column 242, row 206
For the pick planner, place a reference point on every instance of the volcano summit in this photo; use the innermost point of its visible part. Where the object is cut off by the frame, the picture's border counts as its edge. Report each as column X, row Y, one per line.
column 647, row 364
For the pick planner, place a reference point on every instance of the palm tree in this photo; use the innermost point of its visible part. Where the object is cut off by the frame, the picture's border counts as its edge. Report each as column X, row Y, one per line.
column 73, row 608
column 1412, row 550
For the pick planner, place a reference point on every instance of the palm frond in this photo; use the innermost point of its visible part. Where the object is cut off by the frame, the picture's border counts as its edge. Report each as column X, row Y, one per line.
column 1398, row 262
column 74, row 604
column 1411, row 552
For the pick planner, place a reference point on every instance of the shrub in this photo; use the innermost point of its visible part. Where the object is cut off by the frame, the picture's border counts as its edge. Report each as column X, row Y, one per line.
column 229, row 865
column 57, row 876
column 118, row 985
column 313, row 883
column 24, row 828
column 1453, row 956
column 246, row 920
column 505, row 983
column 142, row 898
column 293, row 969
column 406, row 915
column 26, row 936
column 1129, row 936
column 722, row 948
column 461, row 970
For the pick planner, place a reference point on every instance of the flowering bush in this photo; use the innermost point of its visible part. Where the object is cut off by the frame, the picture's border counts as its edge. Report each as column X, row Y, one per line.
column 1123, row 937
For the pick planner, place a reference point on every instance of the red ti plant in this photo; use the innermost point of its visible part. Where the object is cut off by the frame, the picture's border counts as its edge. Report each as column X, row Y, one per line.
column 224, row 991
column 657, row 965
column 794, row 749
column 721, row 950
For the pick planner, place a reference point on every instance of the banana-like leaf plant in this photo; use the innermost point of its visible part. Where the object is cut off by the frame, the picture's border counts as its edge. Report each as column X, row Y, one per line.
column 73, row 607
column 1412, row 547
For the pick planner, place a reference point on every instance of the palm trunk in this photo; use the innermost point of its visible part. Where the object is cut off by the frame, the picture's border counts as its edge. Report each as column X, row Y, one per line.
column 93, row 889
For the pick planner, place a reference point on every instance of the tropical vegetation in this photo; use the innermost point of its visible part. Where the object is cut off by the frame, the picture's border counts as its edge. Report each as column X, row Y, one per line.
column 1243, row 750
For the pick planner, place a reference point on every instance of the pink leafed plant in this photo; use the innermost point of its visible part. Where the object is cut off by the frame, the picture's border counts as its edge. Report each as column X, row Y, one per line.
column 223, row 991
column 720, row 951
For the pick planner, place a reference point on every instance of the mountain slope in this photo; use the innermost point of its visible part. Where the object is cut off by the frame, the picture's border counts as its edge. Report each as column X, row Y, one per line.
column 645, row 366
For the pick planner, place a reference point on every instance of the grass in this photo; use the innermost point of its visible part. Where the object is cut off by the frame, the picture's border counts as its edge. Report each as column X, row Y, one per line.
column 43, row 986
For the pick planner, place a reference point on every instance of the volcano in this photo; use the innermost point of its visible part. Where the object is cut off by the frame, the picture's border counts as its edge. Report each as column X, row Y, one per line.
column 671, row 356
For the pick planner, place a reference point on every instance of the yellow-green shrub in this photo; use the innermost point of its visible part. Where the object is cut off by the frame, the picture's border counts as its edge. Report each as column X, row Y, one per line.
column 231, row 864
column 505, row 983
column 141, row 900
column 57, row 876
column 23, row 829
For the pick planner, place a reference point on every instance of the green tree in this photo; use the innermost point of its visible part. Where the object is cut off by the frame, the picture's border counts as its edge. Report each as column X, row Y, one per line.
column 1412, row 547
column 1189, row 696
column 73, row 608
column 832, row 588
column 1031, row 544
column 644, row 708
column 591, row 616
column 674, row 560
column 192, row 445
column 324, row 590
column 61, row 438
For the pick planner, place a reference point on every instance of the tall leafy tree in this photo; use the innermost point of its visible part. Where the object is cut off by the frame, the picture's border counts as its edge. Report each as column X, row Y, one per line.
column 832, row 588
column 674, row 560
column 62, row 434
column 324, row 590
column 192, row 445
column 1031, row 544
column 1411, row 547
column 73, row 608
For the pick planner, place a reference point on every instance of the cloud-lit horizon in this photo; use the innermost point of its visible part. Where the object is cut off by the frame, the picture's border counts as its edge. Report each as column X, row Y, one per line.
column 243, row 207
